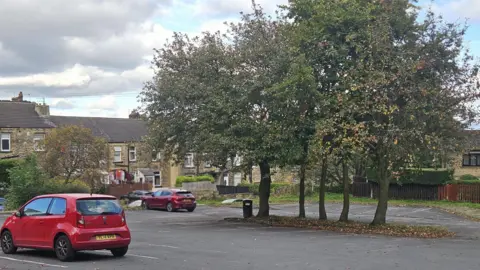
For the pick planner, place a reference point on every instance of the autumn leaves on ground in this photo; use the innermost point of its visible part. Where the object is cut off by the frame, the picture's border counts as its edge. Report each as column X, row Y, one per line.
column 351, row 85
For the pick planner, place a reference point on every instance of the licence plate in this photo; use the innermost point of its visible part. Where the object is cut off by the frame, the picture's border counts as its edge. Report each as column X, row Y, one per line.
column 105, row 237
column 187, row 201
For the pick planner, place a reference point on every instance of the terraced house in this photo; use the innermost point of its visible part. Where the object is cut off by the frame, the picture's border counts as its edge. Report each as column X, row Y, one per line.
column 23, row 124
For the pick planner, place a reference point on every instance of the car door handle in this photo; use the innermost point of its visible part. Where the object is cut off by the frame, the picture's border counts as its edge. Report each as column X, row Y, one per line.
column 41, row 221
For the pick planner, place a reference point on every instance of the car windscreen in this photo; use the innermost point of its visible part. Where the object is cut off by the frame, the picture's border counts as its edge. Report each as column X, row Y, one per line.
column 92, row 207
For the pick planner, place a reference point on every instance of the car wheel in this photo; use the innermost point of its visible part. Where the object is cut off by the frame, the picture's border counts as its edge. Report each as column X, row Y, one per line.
column 170, row 207
column 145, row 206
column 191, row 209
column 119, row 252
column 7, row 243
column 64, row 249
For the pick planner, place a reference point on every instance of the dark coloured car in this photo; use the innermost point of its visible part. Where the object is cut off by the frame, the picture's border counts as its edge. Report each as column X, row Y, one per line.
column 135, row 195
column 170, row 199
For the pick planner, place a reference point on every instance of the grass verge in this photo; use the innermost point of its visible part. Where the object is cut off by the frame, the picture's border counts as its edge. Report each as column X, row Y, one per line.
column 396, row 230
column 467, row 210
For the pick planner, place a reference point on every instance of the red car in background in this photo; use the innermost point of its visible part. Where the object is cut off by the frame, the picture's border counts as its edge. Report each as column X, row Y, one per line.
column 170, row 199
column 67, row 223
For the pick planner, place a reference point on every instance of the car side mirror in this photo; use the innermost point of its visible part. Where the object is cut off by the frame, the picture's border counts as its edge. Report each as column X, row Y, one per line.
column 18, row 214
column 153, row 195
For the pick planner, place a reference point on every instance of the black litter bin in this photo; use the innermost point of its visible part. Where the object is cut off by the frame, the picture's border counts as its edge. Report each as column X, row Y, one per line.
column 247, row 208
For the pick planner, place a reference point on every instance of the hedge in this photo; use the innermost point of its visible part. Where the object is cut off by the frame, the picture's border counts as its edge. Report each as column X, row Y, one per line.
column 5, row 165
column 189, row 179
column 275, row 187
column 424, row 176
column 468, row 177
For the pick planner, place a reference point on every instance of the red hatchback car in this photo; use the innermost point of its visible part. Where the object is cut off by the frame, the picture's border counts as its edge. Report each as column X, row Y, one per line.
column 170, row 199
column 67, row 223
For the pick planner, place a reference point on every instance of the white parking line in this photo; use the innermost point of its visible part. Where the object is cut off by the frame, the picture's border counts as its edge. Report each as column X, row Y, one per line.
column 153, row 245
column 32, row 262
column 133, row 255
column 141, row 256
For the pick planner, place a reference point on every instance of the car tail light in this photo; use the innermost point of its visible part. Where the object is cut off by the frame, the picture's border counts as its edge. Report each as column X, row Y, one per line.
column 124, row 220
column 80, row 221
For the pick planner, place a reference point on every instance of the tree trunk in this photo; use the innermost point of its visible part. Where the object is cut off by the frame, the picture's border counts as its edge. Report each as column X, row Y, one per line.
column 264, row 189
column 383, row 181
column 346, row 191
column 301, row 199
column 303, row 168
column 250, row 173
column 321, row 194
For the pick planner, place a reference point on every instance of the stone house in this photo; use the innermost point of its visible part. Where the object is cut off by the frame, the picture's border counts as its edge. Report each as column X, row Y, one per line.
column 468, row 162
column 22, row 127
column 23, row 124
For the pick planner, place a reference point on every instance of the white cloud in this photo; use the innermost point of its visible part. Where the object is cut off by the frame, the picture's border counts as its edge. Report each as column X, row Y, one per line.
column 459, row 9
column 233, row 7
column 62, row 104
column 107, row 103
column 72, row 77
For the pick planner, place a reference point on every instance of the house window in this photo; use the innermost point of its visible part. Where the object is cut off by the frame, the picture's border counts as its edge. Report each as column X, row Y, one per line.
column 5, row 142
column 132, row 153
column 157, row 179
column 188, row 163
column 117, row 155
column 208, row 164
column 471, row 159
column 38, row 142
column 155, row 155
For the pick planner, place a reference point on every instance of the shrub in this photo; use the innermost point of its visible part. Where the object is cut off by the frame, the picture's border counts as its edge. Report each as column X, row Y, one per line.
column 425, row 176
column 5, row 165
column 189, row 179
column 468, row 177
column 28, row 180
column 275, row 187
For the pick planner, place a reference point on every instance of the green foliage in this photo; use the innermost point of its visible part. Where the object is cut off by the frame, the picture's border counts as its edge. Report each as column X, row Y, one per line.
column 275, row 187
column 5, row 165
column 28, row 180
column 468, row 177
column 466, row 182
column 189, row 179
column 424, row 176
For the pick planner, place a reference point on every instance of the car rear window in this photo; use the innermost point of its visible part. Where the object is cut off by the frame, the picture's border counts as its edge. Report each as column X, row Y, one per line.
column 185, row 193
column 92, row 207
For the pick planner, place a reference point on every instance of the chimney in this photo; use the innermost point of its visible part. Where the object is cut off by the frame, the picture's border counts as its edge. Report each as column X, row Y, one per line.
column 19, row 97
column 134, row 115
column 42, row 109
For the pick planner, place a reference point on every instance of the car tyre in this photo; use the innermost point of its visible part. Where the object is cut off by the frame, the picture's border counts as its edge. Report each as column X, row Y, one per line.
column 7, row 243
column 145, row 206
column 170, row 207
column 64, row 249
column 119, row 252
column 190, row 209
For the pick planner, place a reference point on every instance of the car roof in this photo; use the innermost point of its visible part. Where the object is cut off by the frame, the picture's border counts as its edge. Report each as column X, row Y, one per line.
column 77, row 196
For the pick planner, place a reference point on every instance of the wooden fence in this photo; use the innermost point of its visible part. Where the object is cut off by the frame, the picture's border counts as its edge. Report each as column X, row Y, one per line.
column 122, row 189
column 451, row 192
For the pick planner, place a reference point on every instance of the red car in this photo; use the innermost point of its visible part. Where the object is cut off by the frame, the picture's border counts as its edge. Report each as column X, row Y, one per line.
column 170, row 199
column 67, row 223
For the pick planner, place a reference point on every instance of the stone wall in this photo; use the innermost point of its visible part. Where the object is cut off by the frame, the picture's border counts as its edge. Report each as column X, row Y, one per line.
column 21, row 140
column 461, row 170
column 277, row 174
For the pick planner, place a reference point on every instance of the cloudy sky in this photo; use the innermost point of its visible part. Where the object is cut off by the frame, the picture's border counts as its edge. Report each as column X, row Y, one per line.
column 90, row 57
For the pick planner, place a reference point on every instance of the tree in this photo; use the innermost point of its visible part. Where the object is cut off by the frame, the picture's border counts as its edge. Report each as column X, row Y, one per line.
column 214, row 94
column 331, row 34
column 74, row 152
